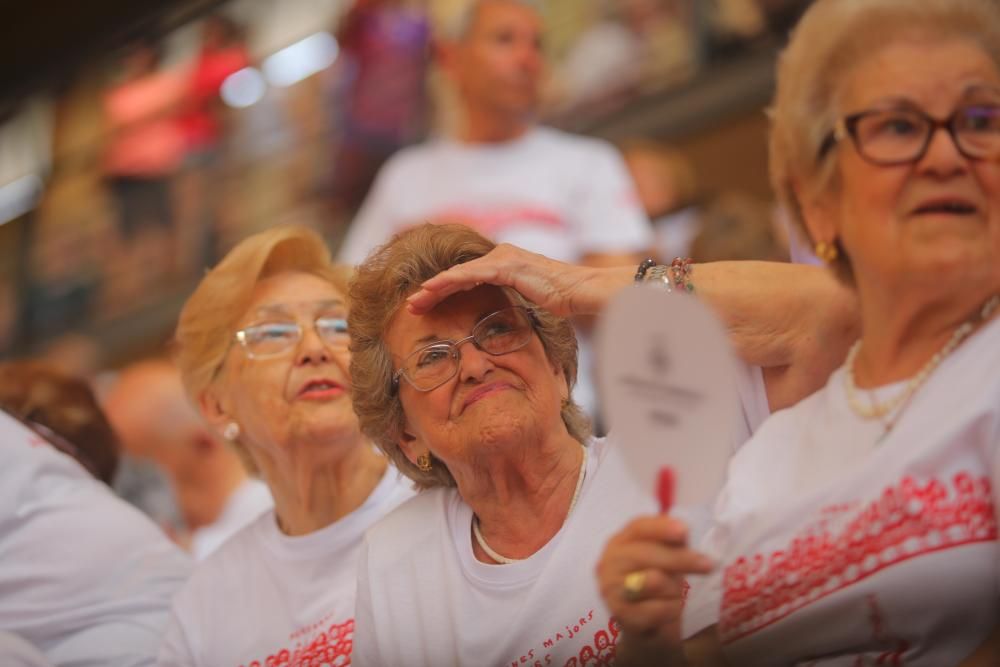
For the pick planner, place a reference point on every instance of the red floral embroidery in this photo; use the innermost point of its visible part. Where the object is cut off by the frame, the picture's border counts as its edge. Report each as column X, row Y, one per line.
column 331, row 648
column 906, row 521
column 602, row 652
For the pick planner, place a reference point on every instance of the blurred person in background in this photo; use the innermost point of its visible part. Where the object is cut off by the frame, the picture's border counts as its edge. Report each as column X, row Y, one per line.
column 64, row 411
column 262, row 347
column 381, row 94
column 667, row 186
column 86, row 579
column 202, row 118
column 563, row 196
column 860, row 526
column 144, row 148
column 151, row 413
column 556, row 194
column 735, row 226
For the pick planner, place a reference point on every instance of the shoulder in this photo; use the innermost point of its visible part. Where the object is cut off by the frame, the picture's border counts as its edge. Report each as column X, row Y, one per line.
column 412, row 159
column 573, row 144
column 782, row 432
column 413, row 522
column 231, row 562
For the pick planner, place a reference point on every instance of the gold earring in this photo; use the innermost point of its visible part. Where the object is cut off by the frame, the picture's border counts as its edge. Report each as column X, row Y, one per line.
column 424, row 463
column 826, row 251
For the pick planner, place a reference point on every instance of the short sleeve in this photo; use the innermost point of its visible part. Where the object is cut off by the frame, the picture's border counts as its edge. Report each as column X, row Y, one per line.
column 609, row 216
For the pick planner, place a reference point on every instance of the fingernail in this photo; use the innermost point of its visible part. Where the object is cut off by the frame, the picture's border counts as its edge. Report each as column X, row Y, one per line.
column 705, row 563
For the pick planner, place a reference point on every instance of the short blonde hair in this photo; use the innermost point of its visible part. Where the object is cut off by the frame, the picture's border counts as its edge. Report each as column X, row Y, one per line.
column 380, row 286
column 832, row 38
column 210, row 316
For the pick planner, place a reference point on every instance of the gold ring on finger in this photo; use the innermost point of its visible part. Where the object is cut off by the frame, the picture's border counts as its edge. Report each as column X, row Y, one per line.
column 634, row 584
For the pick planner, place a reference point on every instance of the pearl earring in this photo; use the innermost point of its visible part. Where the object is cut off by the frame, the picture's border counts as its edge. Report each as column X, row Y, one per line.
column 231, row 432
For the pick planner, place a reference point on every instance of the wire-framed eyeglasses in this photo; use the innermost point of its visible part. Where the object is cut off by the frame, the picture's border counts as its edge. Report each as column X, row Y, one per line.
column 898, row 136
column 499, row 333
column 276, row 337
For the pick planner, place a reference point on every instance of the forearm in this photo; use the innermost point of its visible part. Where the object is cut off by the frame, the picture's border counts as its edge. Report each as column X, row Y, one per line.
column 702, row 650
column 988, row 653
column 636, row 651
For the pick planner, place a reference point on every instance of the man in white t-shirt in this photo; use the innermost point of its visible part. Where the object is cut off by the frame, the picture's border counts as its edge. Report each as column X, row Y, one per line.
column 86, row 578
column 560, row 195
column 563, row 196
column 150, row 412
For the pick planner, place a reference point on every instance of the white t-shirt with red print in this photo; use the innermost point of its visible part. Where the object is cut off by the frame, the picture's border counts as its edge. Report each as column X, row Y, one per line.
column 840, row 547
column 549, row 192
column 265, row 599
column 425, row 600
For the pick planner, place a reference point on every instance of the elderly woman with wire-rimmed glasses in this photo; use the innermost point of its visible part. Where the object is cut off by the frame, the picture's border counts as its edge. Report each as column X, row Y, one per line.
column 491, row 563
column 262, row 346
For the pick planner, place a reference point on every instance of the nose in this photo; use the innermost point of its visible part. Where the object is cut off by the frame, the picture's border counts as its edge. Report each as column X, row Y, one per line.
column 311, row 348
column 473, row 363
column 942, row 157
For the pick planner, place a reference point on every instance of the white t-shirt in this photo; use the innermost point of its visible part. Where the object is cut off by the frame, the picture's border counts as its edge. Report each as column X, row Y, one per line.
column 549, row 192
column 250, row 499
column 424, row 598
column 838, row 549
column 86, row 578
column 265, row 598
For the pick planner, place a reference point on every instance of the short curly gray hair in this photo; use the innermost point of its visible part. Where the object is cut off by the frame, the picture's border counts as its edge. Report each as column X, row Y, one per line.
column 379, row 288
column 833, row 37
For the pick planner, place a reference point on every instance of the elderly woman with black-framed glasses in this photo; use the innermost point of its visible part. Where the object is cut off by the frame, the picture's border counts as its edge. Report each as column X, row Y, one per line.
column 860, row 526
column 262, row 347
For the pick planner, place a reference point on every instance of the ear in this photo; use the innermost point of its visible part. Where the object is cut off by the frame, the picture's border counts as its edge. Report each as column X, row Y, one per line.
column 820, row 214
column 411, row 445
column 212, row 411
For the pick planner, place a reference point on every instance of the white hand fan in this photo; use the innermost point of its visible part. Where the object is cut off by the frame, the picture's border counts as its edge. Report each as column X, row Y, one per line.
column 667, row 381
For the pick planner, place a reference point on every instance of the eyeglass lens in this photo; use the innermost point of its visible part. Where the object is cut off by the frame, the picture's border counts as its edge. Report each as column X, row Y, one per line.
column 273, row 338
column 496, row 334
column 895, row 136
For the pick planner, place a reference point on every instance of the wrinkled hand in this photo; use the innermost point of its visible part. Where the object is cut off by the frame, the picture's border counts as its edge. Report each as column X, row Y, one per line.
column 561, row 288
column 657, row 547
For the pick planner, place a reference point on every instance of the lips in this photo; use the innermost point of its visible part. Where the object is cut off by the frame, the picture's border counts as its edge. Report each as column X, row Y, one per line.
column 482, row 392
column 320, row 388
column 946, row 206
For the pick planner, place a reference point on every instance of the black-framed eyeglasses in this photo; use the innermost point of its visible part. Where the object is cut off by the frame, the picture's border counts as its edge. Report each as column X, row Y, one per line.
column 276, row 337
column 502, row 332
column 897, row 136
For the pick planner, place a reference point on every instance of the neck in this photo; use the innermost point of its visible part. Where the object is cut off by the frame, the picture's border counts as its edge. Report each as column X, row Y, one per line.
column 205, row 498
column 521, row 503
column 310, row 495
column 904, row 327
column 485, row 126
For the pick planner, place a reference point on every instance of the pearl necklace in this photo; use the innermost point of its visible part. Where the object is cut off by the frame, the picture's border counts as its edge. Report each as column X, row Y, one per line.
column 894, row 407
column 572, row 503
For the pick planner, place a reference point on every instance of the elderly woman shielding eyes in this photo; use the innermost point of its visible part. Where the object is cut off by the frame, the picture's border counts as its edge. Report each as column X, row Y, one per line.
column 263, row 352
column 491, row 564
column 860, row 526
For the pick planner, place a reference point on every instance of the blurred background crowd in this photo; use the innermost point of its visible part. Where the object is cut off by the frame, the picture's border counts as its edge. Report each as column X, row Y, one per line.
column 141, row 156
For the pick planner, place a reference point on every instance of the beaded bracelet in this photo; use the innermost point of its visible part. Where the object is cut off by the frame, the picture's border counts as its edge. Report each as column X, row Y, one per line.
column 680, row 272
column 644, row 265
